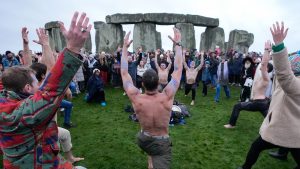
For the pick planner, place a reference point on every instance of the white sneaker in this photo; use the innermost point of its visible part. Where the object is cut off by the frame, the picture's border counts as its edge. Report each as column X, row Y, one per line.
column 192, row 103
column 141, row 91
column 124, row 94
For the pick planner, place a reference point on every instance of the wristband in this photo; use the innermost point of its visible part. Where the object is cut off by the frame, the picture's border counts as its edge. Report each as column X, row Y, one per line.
column 278, row 47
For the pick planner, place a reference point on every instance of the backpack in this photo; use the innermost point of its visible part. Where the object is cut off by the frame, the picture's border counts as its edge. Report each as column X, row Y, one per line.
column 183, row 107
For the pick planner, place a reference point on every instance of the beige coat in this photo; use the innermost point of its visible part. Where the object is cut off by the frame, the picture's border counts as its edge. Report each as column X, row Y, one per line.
column 282, row 124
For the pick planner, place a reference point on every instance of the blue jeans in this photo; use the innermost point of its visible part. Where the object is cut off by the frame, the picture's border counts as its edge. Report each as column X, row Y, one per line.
column 68, row 109
column 218, row 91
column 213, row 78
column 73, row 87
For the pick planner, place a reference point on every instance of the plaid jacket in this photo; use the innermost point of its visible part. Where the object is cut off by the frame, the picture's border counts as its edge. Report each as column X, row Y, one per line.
column 28, row 136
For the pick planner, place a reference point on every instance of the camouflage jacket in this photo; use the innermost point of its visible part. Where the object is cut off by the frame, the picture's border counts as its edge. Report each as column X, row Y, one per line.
column 28, row 135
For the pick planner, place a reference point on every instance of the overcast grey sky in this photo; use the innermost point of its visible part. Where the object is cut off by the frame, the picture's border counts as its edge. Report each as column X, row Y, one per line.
column 255, row 16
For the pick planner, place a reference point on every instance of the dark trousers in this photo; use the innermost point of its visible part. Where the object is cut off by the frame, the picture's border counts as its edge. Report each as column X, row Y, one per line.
column 99, row 96
column 204, row 88
column 188, row 88
column 231, row 78
column 245, row 94
column 138, row 82
column 261, row 105
column 260, row 145
column 236, row 79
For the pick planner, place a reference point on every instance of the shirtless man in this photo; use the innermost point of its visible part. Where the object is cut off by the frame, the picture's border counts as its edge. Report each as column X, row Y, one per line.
column 259, row 101
column 154, row 120
column 191, row 75
column 163, row 70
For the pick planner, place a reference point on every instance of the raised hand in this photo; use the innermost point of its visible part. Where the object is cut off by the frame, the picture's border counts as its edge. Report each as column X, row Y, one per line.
column 78, row 32
column 177, row 36
column 278, row 33
column 43, row 37
column 268, row 46
column 25, row 35
column 127, row 42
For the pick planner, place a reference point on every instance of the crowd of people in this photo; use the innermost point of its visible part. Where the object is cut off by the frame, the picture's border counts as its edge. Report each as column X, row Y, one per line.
column 34, row 87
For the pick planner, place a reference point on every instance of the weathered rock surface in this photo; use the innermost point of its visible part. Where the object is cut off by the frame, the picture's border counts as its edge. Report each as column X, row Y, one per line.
column 124, row 18
column 108, row 36
column 187, row 35
column 211, row 38
column 162, row 19
column 144, row 35
column 158, row 40
column 57, row 40
column 198, row 20
column 240, row 40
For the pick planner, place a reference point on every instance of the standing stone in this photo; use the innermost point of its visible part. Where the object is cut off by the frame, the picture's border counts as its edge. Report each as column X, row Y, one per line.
column 108, row 36
column 88, row 44
column 158, row 40
column 240, row 40
column 144, row 35
column 226, row 46
column 202, row 42
column 211, row 38
column 187, row 35
column 56, row 39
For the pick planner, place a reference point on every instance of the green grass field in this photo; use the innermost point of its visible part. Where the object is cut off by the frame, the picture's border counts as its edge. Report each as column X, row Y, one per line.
column 105, row 136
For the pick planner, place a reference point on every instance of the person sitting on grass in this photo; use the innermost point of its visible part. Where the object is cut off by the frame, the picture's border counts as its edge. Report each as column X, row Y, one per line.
column 95, row 88
column 259, row 101
column 191, row 75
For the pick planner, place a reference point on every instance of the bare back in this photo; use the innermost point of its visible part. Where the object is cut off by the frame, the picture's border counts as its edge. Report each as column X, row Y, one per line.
column 259, row 88
column 153, row 112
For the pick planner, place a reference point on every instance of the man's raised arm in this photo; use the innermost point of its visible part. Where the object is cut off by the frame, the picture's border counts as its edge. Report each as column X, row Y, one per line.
column 265, row 61
column 184, row 63
column 27, row 60
column 201, row 61
column 173, row 85
column 169, row 61
column 155, row 60
column 131, row 91
column 47, row 56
